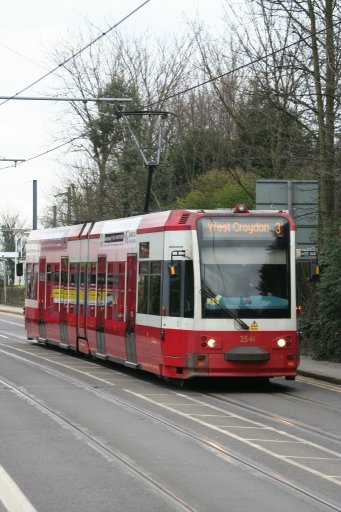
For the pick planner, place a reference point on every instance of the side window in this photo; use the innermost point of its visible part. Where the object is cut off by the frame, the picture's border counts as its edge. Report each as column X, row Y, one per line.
column 175, row 290
column 143, row 286
column 155, row 288
column 31, row 281
column 115, row 291
column 121, row 290
column 92, row 282
column 101, row 293
column 149, row 287
column 189, row 290
column 55, row 284
column 73, row 274
column 181, row 289
column 82, row 283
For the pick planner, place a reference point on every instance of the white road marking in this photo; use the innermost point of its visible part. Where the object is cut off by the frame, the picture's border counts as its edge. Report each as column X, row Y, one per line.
column 46, row 359
column 259, row 447
column 12, row 323
column 2, row 336
column 13, row 499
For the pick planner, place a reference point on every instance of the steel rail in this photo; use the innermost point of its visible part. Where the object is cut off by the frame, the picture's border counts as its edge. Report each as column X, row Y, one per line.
column 313, row 401
column 274, row 417
column 98, row 445
column 199, row 439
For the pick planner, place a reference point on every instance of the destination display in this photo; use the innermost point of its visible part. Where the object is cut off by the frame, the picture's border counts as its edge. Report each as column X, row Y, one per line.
column 221, row 228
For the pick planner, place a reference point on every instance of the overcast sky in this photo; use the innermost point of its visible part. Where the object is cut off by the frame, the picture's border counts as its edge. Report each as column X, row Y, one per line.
column 29, row 33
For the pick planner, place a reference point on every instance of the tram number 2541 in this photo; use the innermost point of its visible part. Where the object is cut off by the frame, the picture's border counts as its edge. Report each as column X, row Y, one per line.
column 247, row 339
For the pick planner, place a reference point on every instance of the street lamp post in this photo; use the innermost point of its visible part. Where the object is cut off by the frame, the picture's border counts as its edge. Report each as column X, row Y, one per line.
column 4, row 272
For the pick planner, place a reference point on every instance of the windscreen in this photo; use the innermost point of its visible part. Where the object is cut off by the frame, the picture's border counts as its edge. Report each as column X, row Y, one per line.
column 244, row 264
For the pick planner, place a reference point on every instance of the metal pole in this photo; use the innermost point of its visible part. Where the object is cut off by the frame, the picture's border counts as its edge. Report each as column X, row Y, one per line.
column 5, row 287
column 54, row 222
column 35, row 196
column 289, row 196
column 149, row 188
column 69, row 205
column 52, row 98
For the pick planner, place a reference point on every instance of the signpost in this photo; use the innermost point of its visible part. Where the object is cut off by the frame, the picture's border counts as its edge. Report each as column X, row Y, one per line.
column 300, row 197
column 4, row 256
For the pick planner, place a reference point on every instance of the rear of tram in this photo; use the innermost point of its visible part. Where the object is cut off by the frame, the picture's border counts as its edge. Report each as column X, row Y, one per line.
column 247, row 322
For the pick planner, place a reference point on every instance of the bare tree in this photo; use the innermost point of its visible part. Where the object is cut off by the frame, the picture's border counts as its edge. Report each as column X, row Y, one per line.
column 294, row 48
column 10, row 227
column 107, row 171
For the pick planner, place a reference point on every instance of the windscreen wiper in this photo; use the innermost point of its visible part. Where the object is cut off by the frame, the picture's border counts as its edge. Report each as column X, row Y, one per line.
column 210, row 295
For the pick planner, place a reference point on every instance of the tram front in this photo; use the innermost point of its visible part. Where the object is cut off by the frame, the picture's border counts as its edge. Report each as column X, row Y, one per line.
column 248, row 307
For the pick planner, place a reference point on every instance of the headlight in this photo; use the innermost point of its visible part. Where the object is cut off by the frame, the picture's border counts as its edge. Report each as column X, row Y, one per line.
column 281, row 343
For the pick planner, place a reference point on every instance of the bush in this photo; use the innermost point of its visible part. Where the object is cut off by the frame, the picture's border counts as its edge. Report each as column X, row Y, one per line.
column 15, row 296
column 324, row 326
column 218, row 189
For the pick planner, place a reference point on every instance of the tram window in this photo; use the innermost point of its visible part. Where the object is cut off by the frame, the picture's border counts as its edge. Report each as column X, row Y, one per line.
column 143, row 294
column 110, row 290
column 82, row 277
column 31, row 281
column 121, row 290
column 155, row 267
column 189, row 290
column 175, row 293
column 155, row 285
column 144, row 267
column 149, row 287
column 92, row 269
column 181, row 290
column 101, row 279
column 92, row 277
column 56, row 277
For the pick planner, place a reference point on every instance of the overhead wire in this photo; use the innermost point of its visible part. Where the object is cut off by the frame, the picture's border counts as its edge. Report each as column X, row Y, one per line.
column 179, row 93
column 22, row 56
column 62, row 64
column 247, row 64
column 103, row 34
column 43, row 153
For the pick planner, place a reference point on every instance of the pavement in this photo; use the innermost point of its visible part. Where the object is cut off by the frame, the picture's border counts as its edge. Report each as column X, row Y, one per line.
column 322, row 370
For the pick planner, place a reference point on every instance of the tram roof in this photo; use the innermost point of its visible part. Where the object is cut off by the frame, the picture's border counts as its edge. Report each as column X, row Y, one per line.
column 150, row 222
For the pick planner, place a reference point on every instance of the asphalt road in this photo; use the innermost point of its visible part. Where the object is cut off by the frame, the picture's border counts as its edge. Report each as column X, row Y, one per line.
column 79, row 435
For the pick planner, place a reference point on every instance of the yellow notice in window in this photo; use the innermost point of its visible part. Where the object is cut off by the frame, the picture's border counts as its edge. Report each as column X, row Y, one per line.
column 254, row 326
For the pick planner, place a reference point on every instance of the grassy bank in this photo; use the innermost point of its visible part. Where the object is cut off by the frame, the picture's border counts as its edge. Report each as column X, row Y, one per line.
column 15, row 296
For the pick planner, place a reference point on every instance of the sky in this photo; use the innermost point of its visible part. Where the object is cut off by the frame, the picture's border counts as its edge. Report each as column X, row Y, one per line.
column 29, row 34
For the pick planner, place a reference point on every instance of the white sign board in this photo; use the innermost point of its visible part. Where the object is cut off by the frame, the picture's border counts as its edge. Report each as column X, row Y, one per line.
column 9, row 255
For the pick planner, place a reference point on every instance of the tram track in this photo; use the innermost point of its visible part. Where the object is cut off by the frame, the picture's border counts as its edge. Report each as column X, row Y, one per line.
column 312, row 401
column 204, row 441
column 99, row 446
column 259, row 412
column 275, row 417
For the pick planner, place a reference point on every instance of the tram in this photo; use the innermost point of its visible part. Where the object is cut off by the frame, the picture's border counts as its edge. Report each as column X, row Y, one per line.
column 179, row 293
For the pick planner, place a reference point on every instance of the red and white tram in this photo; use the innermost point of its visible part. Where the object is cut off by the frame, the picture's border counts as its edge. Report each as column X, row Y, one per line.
column 178, row 293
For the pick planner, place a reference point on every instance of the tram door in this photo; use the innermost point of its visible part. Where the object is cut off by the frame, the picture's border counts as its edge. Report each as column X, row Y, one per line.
column 42, row 298
column 100, row 304
column 82, row 300
column 131, row 311
column 72, row 304
column 64, row 298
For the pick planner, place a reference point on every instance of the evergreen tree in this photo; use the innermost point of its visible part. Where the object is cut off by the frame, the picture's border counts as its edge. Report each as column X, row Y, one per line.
column 323, row 326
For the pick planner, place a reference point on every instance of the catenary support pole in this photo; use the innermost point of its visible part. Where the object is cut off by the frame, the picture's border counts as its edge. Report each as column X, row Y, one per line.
column 35, row 210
